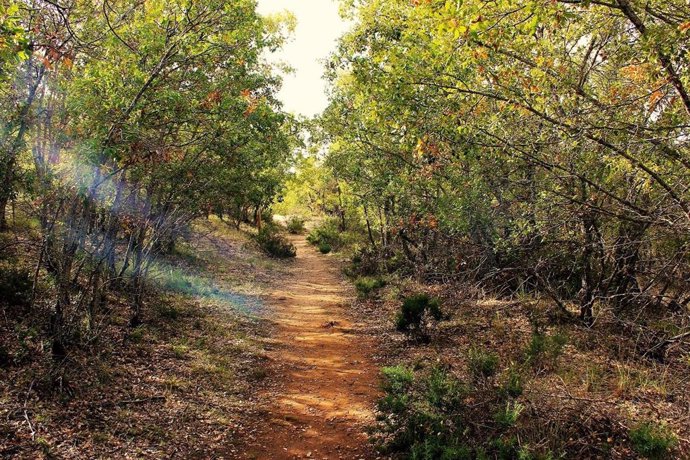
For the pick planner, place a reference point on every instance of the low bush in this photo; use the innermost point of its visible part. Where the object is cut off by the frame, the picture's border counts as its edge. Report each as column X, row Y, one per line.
column 274, row 243
column 421, row 417
column 327, row 234
column 652, row 440
column 413, row 311
column 366, row 285
column 295, row 225
column 544, row 349
column 396, row 383
column 428, row 414
column 513, row 385
column 325, row 248
column 482, row 364
column 364, row 262
column 507, row 417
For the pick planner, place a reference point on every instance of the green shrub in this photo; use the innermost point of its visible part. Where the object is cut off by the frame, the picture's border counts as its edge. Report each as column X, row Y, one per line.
column 443, row 390
column 428, row 414
column 367, row 285
column 365, row 262
column 396, row 383
column 136, row 335
column 652, row 440
column 295, row 225
column 507, row 417
column 421, row 416
column 545, row 348
column 326, row 234
column 482, row 364
column 513, row 384
column 396, row 379
column 15, row 287
column 274, row 243
column 506, row 449
column 325, row 248
column 413, row 310
column 435, row 449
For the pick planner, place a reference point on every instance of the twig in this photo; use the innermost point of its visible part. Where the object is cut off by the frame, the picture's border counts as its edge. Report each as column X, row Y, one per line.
column 662, row 345
column 132, row 401
column 31, row 427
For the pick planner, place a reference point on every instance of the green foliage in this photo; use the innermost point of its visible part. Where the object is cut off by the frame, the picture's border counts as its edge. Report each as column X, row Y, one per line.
column 434, row 103
column 507, row 417
column 166, row 311
column 507, row 448
column 326, row 235
column 513, row 385
column 13, row 37
column 396, row 383
column 159, row 114
column 325, row 248
column 396, row 379
column 424, row 415
column 365, row 262
column 15, row 287
column 274, row 243
column 413, row 311
column 295, row 225
column 443, row 389
column 545, row 348
column 423, row 419
column 482, row 364
column 366, row 285
column 652, row 440
column 136, row 335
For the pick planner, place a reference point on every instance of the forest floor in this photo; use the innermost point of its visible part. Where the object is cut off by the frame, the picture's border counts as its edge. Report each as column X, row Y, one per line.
column 240, row 356
column 323, row 382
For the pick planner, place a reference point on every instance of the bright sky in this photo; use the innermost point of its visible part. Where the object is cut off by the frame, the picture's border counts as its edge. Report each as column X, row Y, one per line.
column 318, row 28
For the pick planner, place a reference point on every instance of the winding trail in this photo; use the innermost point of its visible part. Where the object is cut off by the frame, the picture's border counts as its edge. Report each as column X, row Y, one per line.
column 324, row 381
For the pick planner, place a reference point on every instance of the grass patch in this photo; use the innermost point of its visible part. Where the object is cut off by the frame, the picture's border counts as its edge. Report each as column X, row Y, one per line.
column 482, row 364
column 652, row 440
column 367, row 285
column 274, row 243
column 295, row 225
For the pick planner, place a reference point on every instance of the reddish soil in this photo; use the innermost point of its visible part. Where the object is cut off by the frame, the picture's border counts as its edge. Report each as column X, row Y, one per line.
column 323, row 382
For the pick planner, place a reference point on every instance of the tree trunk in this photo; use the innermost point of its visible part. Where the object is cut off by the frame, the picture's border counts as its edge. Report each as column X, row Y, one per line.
column 369, row 232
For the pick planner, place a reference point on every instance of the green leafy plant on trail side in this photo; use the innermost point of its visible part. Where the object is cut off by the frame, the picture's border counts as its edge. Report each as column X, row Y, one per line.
column 652, row 440
column 482, row 364
column 366, row 285
column 545, row 349
column 274, row 243
column 414, row 309
column 295, row 225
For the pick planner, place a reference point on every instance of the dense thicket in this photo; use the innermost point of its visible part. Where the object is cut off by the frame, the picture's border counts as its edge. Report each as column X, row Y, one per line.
column 532, row 145
column 121, row 122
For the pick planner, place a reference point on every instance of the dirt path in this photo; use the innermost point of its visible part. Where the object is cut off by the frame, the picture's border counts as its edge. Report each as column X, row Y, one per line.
column 324, row 383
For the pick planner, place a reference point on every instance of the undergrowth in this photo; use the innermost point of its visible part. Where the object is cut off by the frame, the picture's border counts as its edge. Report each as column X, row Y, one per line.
column 295, row 225
column 652, row 440
column 416, row 312
column 367, row 285
column 274, row 243
column 431, row 414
